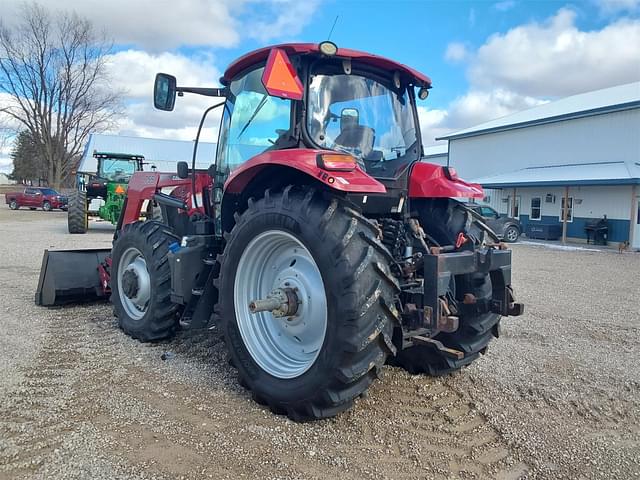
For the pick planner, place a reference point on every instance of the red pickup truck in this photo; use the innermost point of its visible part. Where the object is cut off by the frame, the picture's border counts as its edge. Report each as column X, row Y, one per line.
column 36, row 197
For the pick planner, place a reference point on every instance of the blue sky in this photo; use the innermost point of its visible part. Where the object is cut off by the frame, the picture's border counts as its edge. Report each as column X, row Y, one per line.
column 486, row 58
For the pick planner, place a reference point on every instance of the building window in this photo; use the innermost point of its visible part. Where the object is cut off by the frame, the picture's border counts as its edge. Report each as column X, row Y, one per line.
column 569, row 209
column 536, row 211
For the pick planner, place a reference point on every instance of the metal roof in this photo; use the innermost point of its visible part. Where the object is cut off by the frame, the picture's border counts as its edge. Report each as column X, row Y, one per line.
column 621, row 97
column 601, row 173
column 162, row 153
column 436, row 150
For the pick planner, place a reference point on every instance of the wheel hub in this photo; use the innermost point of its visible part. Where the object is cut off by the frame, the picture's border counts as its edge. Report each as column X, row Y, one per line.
column 280, row 304
column 130, row 283
column 134, row 283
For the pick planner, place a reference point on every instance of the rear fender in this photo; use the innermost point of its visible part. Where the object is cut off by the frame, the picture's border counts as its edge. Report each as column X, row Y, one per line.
column 305, row 161
column 277, row 169
column 428, row 180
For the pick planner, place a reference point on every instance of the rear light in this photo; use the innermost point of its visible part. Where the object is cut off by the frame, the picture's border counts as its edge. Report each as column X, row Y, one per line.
column 450, row 173
column 336, row 161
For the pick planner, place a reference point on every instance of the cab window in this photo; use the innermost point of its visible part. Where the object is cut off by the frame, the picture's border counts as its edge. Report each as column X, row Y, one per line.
column 252, row 121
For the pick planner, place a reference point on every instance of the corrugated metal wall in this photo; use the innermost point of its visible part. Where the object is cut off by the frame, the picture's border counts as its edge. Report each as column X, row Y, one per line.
column 164, row 154
column 603, row 138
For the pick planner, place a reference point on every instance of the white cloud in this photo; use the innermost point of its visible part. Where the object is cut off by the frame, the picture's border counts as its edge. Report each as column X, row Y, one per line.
column 472, row 108
column 286, row 20
column 161, row 25
column 615, row 6
column 504, row 5
column 152, row 24
column 456, row 52
column 555, row 58
column 533, row 63
column 134, row 71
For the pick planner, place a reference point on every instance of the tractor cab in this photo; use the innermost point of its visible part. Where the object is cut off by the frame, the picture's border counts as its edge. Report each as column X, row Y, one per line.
column 118, row 167
column 319, row 98
column 113, row 170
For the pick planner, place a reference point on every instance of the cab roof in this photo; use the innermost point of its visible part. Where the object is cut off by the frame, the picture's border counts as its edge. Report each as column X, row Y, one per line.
column 261, row 55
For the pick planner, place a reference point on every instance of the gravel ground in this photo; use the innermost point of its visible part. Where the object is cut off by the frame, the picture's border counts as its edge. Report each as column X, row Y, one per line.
column 556, row 397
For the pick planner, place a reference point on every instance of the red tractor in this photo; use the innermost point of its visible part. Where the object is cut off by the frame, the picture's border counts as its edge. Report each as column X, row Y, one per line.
column 318, row 243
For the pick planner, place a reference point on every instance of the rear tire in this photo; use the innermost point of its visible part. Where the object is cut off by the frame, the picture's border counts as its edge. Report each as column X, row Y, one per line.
column 144, row 310
column 444, row 219
column 46, row 206
column 77, row 214
column 358, row 294
column 14, row 205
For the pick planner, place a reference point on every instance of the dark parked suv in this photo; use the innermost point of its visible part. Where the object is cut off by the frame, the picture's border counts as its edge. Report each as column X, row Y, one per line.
column 507, row 228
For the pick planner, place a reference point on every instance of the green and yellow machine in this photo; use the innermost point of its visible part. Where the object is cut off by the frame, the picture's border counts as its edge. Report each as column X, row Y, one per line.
column 109, row 184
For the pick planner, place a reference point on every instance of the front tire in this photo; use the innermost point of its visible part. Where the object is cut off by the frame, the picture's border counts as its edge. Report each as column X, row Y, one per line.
column 46, row 206
column 77, row 214
column 332, row 256
column 141, row 281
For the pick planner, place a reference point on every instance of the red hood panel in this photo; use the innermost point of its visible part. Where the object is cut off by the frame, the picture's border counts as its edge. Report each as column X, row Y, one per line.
column 428, row 180
column 356, row 181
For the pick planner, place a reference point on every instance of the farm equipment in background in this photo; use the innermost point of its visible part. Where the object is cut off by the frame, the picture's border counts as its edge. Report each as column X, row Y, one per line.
column 109, row 184
column 318, row 244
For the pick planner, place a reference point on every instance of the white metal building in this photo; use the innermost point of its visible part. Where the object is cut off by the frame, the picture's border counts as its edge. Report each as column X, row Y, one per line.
column 437, row 154
column 585, row 148
column 4, row 179
column 158, row 152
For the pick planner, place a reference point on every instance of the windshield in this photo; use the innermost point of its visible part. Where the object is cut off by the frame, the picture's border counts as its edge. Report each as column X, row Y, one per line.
column 252, row 121
column 364, row 118
column 117, row 169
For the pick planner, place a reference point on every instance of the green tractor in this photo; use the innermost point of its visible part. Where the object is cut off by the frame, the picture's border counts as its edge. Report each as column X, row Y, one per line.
column 109, row 184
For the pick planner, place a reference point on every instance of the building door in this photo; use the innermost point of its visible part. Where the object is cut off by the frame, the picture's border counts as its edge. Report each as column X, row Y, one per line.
column 636, row 232
column 514, row 206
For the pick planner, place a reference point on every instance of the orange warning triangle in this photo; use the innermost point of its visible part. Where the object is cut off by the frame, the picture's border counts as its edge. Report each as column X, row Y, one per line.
column 280, row 78
column 119, row 189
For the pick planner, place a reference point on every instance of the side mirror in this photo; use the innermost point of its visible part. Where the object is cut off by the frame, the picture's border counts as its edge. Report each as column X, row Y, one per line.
column 164, row 92
column 183, row 170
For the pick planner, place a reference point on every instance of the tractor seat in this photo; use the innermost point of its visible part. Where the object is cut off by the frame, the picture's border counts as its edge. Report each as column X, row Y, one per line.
column 357, row 137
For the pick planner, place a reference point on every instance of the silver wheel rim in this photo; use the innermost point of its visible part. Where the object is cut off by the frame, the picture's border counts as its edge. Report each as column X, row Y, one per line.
column 512, row 234
column 283, row 347
column 132, row 260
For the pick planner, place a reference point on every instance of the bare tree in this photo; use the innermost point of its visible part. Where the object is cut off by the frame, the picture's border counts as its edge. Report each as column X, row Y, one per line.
column 53, row 68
